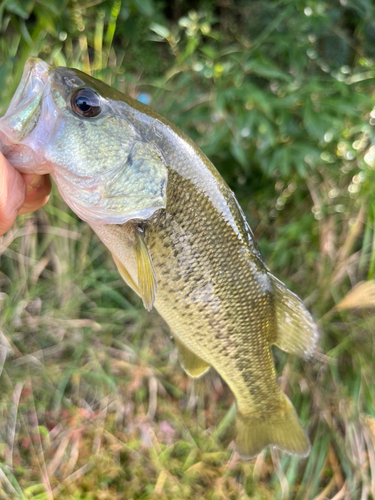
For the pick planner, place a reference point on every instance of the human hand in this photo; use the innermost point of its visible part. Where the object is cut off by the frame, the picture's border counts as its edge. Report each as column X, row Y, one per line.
column 20, row 193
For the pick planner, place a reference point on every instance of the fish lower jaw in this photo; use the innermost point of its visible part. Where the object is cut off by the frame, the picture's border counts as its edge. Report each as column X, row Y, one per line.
column 22, row 157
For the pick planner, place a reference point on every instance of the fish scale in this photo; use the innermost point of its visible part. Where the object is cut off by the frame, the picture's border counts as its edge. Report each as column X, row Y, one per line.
column 246, row 306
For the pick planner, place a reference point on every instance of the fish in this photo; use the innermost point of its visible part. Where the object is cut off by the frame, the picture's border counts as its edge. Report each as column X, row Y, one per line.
column 176, row 232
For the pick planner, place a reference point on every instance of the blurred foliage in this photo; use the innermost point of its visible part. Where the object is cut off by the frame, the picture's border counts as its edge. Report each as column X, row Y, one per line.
column 279, row 95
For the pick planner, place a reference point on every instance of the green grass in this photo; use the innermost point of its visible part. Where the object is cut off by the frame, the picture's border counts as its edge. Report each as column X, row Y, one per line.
column 94, row 403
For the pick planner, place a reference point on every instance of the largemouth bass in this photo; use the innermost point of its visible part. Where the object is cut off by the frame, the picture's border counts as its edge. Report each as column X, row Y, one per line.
column 177, row 235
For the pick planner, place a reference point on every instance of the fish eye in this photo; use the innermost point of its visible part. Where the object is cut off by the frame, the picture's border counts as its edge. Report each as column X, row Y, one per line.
column 86, row 102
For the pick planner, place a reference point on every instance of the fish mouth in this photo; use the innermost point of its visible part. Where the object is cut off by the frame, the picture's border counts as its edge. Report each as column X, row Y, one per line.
column 33, row 81
column 24, row 111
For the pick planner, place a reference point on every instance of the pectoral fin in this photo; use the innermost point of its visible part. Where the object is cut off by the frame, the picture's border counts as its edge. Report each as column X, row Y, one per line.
column 192, row 364
column 125, row 275
column 132, row 241
column 296, row 331
column 146, row 274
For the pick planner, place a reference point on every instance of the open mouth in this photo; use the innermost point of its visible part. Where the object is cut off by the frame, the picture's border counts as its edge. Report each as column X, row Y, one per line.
column 33, row 81
column 24, row 109
column 23, row 114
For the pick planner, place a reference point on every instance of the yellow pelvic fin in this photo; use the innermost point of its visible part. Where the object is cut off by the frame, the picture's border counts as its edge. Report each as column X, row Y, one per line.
column 281, row 429
column 146, row 274
column 191, row 363
column 125, row 275
column 296, row 331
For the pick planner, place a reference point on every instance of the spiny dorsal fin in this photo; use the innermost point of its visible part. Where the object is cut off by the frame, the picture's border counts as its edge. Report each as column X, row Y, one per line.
column 191, row 363
column 296, row 331
column 146, row 273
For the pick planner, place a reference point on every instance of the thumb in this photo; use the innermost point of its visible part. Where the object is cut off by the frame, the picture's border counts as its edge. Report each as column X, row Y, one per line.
column 12, row 194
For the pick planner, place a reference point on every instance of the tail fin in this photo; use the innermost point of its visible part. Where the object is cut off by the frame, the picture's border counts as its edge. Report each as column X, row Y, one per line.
column 282, row 429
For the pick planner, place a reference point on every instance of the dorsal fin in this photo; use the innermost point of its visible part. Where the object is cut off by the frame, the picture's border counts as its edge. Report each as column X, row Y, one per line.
column 296, row 331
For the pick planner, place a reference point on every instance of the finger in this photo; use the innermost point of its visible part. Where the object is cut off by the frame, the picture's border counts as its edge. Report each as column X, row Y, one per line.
column 38, row 188
column 12, row 194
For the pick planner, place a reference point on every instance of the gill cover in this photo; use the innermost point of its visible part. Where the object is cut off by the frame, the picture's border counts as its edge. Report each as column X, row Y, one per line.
column 133, row 189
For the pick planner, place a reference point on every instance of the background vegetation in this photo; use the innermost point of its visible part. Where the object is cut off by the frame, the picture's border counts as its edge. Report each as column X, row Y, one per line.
column 279, row 95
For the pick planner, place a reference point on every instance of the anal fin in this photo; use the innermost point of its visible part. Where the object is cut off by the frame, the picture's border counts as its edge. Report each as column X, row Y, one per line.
column 191, row 362
column 296, row 331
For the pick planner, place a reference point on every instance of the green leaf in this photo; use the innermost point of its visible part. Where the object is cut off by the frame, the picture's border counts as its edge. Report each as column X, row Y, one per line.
column 313, row 121
column 25, row 33
column 209, row 51
column 267, row 69
column 240, row 155
column 20, row 8
column 160, row 30
column 191, row 46
column 145, row 7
